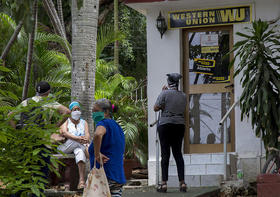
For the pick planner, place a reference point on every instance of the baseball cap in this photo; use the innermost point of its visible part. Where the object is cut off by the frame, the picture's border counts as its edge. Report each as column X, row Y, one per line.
column 42, row 87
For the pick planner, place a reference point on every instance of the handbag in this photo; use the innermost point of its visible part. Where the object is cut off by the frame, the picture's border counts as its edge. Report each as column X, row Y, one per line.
column 97, row 183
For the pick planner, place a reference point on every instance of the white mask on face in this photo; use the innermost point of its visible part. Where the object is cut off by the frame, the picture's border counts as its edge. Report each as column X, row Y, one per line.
column 76, row 115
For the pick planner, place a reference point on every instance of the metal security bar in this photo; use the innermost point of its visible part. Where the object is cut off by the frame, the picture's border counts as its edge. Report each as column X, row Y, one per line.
column 223, row 124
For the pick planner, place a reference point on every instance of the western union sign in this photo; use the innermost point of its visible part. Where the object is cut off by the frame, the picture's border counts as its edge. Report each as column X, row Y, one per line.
column 209, row 17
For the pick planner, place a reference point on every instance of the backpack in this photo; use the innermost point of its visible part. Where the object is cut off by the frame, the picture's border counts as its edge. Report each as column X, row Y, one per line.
column 26, row 117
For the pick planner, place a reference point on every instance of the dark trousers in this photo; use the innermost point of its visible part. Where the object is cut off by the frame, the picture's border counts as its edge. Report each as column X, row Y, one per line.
column 171, row 136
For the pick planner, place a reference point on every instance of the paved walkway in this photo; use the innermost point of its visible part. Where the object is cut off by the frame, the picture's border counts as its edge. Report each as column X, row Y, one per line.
column 149, row 192
column 174, row 192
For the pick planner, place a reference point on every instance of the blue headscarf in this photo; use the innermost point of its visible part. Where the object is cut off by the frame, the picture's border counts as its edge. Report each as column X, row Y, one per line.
column 73, row 104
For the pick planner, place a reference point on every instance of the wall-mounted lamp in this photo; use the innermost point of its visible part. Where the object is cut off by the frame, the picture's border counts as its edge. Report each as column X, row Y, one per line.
column 161, row 24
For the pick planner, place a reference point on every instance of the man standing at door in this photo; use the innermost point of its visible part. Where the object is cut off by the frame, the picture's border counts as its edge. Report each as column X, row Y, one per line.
column 171, row 128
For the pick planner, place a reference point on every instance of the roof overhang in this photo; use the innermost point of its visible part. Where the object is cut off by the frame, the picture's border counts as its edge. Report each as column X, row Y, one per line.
column 143, row 5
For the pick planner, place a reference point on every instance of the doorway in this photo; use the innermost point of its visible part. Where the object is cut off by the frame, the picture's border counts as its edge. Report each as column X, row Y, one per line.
column 208, row 82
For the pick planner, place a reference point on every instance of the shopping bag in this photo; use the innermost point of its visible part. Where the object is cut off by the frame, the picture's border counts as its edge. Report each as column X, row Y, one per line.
column 97, row 183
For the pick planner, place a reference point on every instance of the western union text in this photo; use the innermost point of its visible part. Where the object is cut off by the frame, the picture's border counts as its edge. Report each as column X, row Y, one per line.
column 209, row 17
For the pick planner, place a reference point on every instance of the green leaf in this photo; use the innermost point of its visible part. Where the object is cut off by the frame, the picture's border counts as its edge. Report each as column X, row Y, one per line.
column 4, row 69
column 243, row 35
column 3, row 138
column 35, row 190
column 36, row 151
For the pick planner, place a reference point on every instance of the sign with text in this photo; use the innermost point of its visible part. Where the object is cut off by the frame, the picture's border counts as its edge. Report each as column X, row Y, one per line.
column 220, row 79
column 204, row 66
column 209, row 43
column 209, row 17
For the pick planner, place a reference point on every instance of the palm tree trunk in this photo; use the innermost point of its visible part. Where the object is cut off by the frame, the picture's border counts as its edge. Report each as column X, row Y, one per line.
column 60, row 14
column 57, row 25
column 47, row 9
column 30, row 52
column 84, row 34
column 11, row 41
column 116, row 29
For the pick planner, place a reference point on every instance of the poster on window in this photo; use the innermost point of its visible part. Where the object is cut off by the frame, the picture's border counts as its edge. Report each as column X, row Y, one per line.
column 209, row 43
column 204, row 66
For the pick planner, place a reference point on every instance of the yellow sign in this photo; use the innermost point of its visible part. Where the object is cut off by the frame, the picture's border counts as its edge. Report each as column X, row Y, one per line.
column 211, row 49
column 209, row 17
column 221, row 79
column 204, row 66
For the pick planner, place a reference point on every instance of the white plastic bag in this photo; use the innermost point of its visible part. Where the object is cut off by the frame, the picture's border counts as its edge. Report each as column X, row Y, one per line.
column 97, row 183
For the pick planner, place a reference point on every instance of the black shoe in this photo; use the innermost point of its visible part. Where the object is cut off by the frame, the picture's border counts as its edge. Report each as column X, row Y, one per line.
column 162, row 188
column 183, row 187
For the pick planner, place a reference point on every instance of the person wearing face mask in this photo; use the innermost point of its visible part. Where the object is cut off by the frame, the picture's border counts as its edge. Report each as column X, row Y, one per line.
column 171, row 128
column 75, row 129
column 108, row 145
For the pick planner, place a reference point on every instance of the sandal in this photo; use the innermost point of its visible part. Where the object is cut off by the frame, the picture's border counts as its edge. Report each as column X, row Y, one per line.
column 183, row 187
column 162, row 188
column 67, row 187
column 81, row 186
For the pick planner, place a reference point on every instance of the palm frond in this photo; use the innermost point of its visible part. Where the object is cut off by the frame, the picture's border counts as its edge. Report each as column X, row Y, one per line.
column 8, row 20
column 106, row 36
column 42, row 37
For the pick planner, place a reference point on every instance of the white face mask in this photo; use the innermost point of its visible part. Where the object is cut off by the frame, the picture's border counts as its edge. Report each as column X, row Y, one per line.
column 76, row 115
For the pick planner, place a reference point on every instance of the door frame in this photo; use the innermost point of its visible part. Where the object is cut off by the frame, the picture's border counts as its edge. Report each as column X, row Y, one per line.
column 206, row 148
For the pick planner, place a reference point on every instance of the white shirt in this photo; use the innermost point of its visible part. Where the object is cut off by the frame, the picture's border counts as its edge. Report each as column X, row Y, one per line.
column 79, row 131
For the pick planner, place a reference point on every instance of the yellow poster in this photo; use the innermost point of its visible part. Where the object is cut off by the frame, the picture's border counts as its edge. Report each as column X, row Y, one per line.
column 210, row 49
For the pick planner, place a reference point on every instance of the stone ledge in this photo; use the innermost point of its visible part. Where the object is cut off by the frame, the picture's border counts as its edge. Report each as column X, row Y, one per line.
column 52, row 192
column 66, row 156
column 197, row 180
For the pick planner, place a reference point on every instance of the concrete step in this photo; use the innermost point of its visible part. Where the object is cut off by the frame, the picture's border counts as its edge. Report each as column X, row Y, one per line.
column 205, row 164
column 136, row 183
column 197, row 180
column 200, row 169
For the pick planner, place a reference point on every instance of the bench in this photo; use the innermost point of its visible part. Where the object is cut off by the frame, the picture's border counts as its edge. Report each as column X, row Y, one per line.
column 69, row 173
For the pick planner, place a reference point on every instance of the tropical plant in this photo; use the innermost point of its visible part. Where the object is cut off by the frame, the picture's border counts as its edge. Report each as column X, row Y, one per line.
column 50, row 65
column 259, row 67
column 22, row 154
column 109, row 83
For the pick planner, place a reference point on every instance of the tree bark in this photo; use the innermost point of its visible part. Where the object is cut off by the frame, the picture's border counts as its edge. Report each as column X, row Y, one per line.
column 116, row 29
column 30, row 51
column 11, row 41
column 84, row 34
column 52, row 13
column 104, row 13
column 60, row 14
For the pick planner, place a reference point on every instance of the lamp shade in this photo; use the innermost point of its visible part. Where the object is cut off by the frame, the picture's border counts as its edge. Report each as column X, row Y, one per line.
column 161, row 24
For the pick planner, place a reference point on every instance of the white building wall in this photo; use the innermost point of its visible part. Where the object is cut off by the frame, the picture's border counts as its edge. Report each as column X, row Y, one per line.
column 164, row 56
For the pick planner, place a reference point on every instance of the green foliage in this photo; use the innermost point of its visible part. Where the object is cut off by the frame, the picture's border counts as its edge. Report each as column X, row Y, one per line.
column 23, row 150
column 48, row 64
column 19, row 10
column 105, row 37
column 132, row 115
column 133, row 48
column 259, row 66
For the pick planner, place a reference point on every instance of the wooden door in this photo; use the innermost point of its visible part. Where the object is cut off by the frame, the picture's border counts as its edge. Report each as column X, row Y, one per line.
column 208, row 82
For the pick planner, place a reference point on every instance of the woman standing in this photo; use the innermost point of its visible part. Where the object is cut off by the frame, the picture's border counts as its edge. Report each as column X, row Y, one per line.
column 76, row 131
column 109, row 145
column 171, row 128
